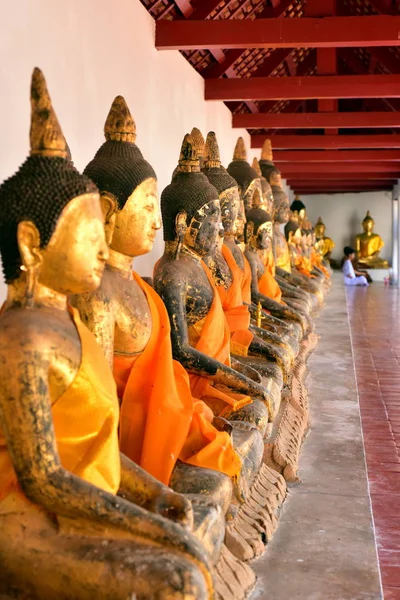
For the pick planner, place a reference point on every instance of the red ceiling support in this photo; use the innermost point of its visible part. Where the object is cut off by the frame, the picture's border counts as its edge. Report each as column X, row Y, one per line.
column 314, row 142
column 328, row 156
column 303, row 88
column 361, row 189
column 231, row 56
column 330, row 32
column 307, row 177
column 348, row 120
column 338, row 168
column 388, row 59
column 202, row 9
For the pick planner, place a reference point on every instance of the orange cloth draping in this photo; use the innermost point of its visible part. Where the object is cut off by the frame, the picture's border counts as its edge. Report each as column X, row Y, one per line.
column 246, row 281
column 267, row 284
column 85, row 419
column 160, row 420
column 211, row 336
column 316, row 261
column 283, row 256
column 237, row 314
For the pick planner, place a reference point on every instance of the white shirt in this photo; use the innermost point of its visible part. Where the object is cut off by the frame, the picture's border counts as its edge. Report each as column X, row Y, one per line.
column 348, row 269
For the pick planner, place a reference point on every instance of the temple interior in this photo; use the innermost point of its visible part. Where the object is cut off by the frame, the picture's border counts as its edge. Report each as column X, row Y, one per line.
column 199, row 301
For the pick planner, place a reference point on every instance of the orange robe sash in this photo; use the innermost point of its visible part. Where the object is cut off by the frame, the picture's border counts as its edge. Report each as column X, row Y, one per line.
column 85, row 420
column 211, row 336
column 246, row 281
column 237, row 314
column 267, row 284
column 160, row 420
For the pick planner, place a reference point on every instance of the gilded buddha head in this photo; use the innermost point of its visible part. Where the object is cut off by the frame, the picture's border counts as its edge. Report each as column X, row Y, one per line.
column 127, row 184
column 245, row 176
column 51, row 223
column 225, row 185
column 281, row 205
column 266, row 191
column 271, row 173
column 190, row 205
column 320, row 228
column 298, row 210
column 368, row 223
column 259, row 230
column 293, row 233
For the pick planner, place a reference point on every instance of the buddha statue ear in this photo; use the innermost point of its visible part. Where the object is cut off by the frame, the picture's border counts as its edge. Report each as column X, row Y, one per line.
column 248, row 231
column 180, row 231
column 109, row 207
column 28, row 238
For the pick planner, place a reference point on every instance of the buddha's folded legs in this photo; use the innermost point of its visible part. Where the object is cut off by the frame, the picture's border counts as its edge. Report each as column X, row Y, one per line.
column 41, row 561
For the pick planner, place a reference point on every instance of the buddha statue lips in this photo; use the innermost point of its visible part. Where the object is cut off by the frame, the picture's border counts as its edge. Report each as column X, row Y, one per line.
column 60, row 464
column 368, row 246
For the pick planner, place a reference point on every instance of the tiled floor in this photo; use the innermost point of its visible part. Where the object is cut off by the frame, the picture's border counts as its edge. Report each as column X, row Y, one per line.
column 375, row 326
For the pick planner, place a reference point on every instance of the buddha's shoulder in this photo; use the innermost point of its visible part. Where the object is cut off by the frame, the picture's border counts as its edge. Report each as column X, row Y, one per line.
column 35, row 328
column 177, row 271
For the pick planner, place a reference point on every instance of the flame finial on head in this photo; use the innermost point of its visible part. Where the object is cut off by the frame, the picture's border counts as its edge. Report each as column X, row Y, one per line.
column 119, row 125
column 198, row 142
column 46, row 136
column 256, row 166
column 266, row 152
column 188, row 158
column 211, row 154
column 240, row 152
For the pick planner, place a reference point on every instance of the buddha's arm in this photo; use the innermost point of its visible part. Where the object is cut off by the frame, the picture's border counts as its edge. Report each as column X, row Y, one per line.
column 26, row 420
column 275, row 308
column 96, row 313
column 140, row 487
column 296, row 279
column 194, row 361
column 358, row 244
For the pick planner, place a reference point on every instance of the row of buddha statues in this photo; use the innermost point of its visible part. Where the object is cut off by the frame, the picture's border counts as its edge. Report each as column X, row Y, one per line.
column 148, row 430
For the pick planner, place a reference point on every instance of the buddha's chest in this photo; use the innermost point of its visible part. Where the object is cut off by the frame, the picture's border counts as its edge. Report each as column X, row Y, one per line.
column 199, row 296
column 133, row 324
column 220, row 271
column 237, row 254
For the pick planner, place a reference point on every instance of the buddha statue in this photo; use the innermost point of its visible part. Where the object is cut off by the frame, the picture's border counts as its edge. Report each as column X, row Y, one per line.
column 368, row 246
column 245, row 176
column 323, row 244
column 78, row 519
column 298, row 211
column 266, row 192
column 246, row 340
column 201, row 338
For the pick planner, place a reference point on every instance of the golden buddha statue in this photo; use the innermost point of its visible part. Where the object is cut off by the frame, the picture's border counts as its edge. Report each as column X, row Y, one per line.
column 368, row 246
column 298, row 211
column 72, row 508
column 201, row 337
column 323, row 244
column 246, row 340
column 266, row 192
column 245, row 176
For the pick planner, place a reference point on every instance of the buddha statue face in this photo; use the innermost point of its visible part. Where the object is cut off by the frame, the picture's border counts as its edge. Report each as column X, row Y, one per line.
column 282, row 212
column 269, row 201
column 368, row 225
column 73, row 260
column 249, row 193
column 240, row 222
column 320, row 230
column 203, row 232
column 136, row 225
column 230, row 206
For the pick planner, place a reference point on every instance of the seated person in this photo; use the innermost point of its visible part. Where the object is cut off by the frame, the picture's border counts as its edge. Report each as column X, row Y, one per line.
column 350, row 276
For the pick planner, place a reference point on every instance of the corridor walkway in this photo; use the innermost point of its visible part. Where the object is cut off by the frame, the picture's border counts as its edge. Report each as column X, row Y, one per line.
column 374, row 315
column 324, row 548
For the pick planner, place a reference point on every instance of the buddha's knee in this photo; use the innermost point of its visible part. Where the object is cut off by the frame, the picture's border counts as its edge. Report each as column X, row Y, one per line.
column 188, row 479
column 255, row 413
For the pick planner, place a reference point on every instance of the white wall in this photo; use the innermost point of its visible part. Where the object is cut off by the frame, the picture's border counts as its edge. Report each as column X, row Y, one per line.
column 343, row 213
column 90, row 51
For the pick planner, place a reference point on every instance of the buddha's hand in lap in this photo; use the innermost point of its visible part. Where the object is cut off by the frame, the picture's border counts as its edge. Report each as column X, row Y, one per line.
column 222, row 424
column 246, row 370
column 175, row 507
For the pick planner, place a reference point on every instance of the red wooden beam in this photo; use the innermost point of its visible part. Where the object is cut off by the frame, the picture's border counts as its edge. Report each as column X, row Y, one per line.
column 303, row 88
column 387, row 59
column 324, row 142
column 306, row 177
column 357, row 120
column 338, row 168
column 314, row 192
column 329, row 32
column 323, row 156
column 203, row 9
column 289, row 169
column 342, row 185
